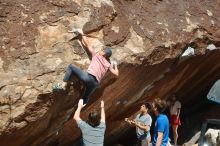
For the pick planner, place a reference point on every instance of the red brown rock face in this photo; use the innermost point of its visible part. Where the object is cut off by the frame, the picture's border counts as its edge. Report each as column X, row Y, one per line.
column 147, row 38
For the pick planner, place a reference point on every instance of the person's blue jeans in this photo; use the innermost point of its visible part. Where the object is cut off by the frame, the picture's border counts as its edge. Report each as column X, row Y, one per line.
column 89, row 80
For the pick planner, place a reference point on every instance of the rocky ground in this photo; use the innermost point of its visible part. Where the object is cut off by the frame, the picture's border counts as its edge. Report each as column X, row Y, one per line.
column 147, row 37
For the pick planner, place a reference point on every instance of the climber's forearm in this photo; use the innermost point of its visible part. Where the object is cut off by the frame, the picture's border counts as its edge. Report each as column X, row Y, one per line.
column 114, row 71
column 87, row 45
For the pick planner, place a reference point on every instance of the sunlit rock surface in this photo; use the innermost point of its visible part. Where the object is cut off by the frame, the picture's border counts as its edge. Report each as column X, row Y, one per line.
column 147, row 39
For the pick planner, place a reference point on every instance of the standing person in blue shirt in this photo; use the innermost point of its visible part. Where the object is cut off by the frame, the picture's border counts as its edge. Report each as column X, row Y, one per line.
column 142, row 122
column 93, row 130
column 161, row 129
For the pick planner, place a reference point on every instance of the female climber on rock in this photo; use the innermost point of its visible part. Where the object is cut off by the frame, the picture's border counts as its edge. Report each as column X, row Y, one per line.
column 100, row 64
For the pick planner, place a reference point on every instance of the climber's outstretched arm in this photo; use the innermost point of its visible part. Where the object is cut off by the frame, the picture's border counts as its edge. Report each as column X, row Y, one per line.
column 85, row 42
column 102, row 112
column 77, row 113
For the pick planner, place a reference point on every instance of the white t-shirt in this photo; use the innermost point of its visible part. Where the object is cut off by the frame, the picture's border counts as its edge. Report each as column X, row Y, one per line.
column 175, row 107
column 143, row 120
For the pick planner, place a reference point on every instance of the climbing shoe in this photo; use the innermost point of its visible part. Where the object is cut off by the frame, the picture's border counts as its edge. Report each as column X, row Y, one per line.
column 58, row 87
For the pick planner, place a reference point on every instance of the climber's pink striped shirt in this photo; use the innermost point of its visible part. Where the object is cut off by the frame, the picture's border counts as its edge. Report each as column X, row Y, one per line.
column 98, row 67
